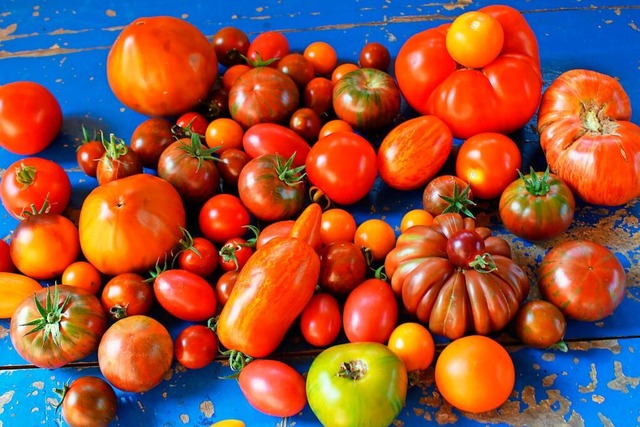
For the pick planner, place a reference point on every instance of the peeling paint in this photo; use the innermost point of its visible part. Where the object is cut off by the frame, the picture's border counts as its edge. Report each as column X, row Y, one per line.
column 184, row 418
column 5, row 398
column 207, row 408
column 612, row 345
column 590, row 388
column 621, row 381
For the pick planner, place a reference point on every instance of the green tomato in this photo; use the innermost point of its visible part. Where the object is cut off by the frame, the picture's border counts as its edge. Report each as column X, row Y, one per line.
column 357, row 384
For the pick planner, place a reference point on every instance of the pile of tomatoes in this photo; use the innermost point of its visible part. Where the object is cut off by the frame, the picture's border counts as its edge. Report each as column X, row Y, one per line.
column 227, row 209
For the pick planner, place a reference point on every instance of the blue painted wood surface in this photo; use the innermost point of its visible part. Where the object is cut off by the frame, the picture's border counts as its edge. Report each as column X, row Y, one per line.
column 64, row 46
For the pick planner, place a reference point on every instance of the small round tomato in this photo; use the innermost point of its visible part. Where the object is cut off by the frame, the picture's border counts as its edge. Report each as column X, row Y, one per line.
column 231, row 163
column 475, row 39
column 322, row 56
column 376, row 236
column 230, row 44
column 540, row 324
column 89, row 152
column 415, row 217
column 343, row 266
column 223, row 217
column 475, row 374
column 150, row 138
column 341, row 70
column 306, row 123
column 232, row 73
column 118, row 161
column 318, row 94
column 370, row 312
column 83, row 275
column 224, row 285
column 321, row 320
column 298, row 68
column 191, row 122
column 88, row 401
column 447, row 193
column 489, row 162
column 375, row 55
column 196, row 346
column 337, row 225
column 127, row 294
column 185, row 295
column 464, row 246
column 267, row 47
column 234, row 254
column 199, row 257
column 335, row 125
column 273, row 387
column 414, row 344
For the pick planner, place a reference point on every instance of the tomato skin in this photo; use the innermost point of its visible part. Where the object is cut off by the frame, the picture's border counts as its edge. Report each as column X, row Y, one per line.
column 444, row 185
column 414, row 344
column 584, row 279
column 402, row 160
column 230, row 44
column 196, row 346
column 366, row 98
column 127, row 294
column 224, row 285
column 275, row 229
column 128, row 224
column 31, row 181
column 192, row 122
column 343, row 267
column 475, row 39
column 370, row 312
column 263, row 95
column 234, row 254
column 135, row 353
column 343, row 179
column 273, row 387
column 83, row 275
column 376, row 237
column 142, row 64
column 15, row 288
column 88, row 155
column 540, row 324
column 472, row 101
column 415, row 217
column 30, row 117
column 271, row 138
column 89, row 401
column 345, row 397
column 232, row 161
column 318, row 95
column 298, row 68
column 185, row 295
column 375, row 55
column 338, row 225
column 475, row 374
column 322, row 56
column 117, row 163
column 585, row 133
column 321, row 320
column 6, row 263
column 81, row 323
column 224, row 133
column 268, row 45
column 150, row 138
column 201, row 258
column 223, row 217
column 534, row 216
column 229, row 423
column 307, row 123
column 489, row 162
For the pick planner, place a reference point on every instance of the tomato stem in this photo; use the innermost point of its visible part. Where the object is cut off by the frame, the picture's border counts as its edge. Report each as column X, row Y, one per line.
column 25, row 175
column 50, row 316
column 459, row 202
column 483, row 263
column 353, row 370
column 535, row 184
column 288, row 174
column 318, row 196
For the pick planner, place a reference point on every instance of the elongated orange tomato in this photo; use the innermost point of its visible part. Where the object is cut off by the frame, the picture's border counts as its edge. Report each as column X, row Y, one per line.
column 14, row 288
column 272, row 289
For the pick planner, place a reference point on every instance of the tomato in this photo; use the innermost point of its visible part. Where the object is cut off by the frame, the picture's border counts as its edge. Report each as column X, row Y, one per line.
column 357, row 384
column 273, row 387
column 318, row 95
column 88, row 401
column 230, row 45
column 127, row 294
column 135, row 353
column 267, row 47
column 43, row 245
column 296, row 66
column 15, row 288
column 473, row 101
column 191, row 169
column 321, row 320
column 196, row 346
column 322, row 56
column 307, row 123
column 475, row 374
column 223, row 134
column 275, row 229
column 161, row 66
column 414, row 344
column 231, row 162
column 223, row 217
column 452, row 298
column 375, row 55
column 30, row 117
column 341, row 70
column 537, row 206
column 129, row 224
column 271, row 138
column 185, row 295
column 198, row 255
column 475, row 39
column 402, row 162
column 375, row 236
column 489, row 162
column 540, row 324
column 6, row 263
column 224, row 285
column 338, row 225
column 229, row 423
column 82, row 274
column 217, row 104
column 30, row 182
column 271, row 188
column 191, row 122
column 448, row 193
column 415, row 217
column 234, row 254
column 370, row 312
column 150, row 138
column 272, row 289
column 57, row 325
column 584, row 279
column 366, row 98
column 89, row 152
column 118, row 161
column 263, row 95
column 343, row 179
column 232, row 73
column 586, row 133
column 343, row 266
column 334, row 126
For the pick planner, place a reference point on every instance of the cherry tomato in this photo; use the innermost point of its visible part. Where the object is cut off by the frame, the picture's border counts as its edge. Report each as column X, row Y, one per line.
column 343, row 266
column 464, row 246
column 6, row 264
column 370, row 312
column 230, row 44
column 337, row 225
column 234, row 254
column 88, row 153
column 224, row 285
column 475, row 39
column 201, row 257
column 447, row 193
column 192, row 122
column 267, row 48
column 306, row 123
column 540, row 324
column 196, row 346
column 83, row 275
column 185, row 295
column 318, row 95
column 127, row 294
column 414, row 344
column 341, row 70
column 321, row 320
column 335, row 125
column 231, row 163
column 322, row 56
column 376, row 236
column 298, row 68
column 88, row 401
column 223, row 217
column 375, row 55
column 150, row 138
column 415, row 217
column 229, row 423
column 232, row 73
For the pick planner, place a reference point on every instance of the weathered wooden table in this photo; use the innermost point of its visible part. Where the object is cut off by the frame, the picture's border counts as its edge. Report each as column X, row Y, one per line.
column 64, row 46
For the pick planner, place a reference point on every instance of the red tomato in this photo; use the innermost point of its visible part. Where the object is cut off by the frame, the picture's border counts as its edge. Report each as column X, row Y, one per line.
column 150, row 138
column 118, row 161
column 307, row 123
column 89, row 152
column 6, row 263
column 413, row 343
column 224, row 285
column 273, row 387
column 298, row 68
column 275, row 229
column 83, row 275
column 489, row 162
column 191, row 122
column 447, row 193
column 231, row 75
column 321, row 320
column 334, row 126
column 127, row 294
column 30, row 117
column 161, row 66
column 341, row 70
column 370, row 312
column 343, row 266
column 267, row 48
column 230, row 44
column 199, row 257
column 344, row 179
column 540, row 324
column 231, row 163
column 30, row 182
column 375, row 55
column 88, row 401
column 271, row 138
column 318, row 95
column 196, row 346
column 223, row 217
column 185, row 295
column 234, row 254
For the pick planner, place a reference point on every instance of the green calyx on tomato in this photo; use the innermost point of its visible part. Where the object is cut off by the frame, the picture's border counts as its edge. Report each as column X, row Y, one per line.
column 288, row 174
column 535, row 184
column 459, row 202
column 114, row 148
column 50, row 317
column 196, row 150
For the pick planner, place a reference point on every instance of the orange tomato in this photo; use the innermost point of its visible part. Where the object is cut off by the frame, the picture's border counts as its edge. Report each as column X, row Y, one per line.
column 377, row 236
column 414, row 344
column 337, row 225
column 83, row 275
column 224, row 133
column 14, row 288
column 341, row 70
column 475, row 39
column 335, row 125
column 322, row 56
column 415, row 217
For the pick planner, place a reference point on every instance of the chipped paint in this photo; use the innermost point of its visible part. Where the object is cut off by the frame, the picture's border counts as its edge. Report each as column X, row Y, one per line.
column 207, row 408
column 5, row 398
column 622, row 382
column 184, row 418
column 110, row 13
column 590, row 388
column 611, row 344
column 4, row 332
